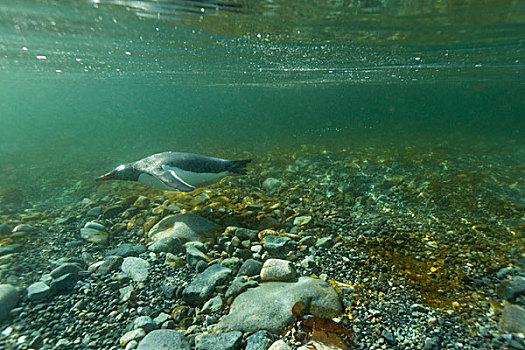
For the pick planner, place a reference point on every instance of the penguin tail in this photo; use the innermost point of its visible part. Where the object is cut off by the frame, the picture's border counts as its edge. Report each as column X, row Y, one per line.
column 238, row 167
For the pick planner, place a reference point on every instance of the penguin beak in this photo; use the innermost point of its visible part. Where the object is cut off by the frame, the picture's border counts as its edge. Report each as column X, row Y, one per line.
column 105, row 177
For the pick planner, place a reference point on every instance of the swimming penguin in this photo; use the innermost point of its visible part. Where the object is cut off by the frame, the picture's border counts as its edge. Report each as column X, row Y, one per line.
column 177, row 171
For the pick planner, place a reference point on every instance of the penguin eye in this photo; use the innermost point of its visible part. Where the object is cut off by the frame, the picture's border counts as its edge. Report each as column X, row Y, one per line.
column 120, row 167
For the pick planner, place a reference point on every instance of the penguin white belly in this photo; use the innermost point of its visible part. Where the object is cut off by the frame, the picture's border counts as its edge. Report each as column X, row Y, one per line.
column 154, row 182
column 195, row 179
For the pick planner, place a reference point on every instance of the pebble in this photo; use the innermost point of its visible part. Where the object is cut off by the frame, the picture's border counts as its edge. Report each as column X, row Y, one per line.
column 65, row 269
column 203, row 286
column 95, row 225
column 38, row 291
column 64, row 283
column 94, row 235
column 271, row 185
column 174, row 261
column 109, row 264
column 144, row 322
column 278, row 270
column 250, row 267
column 5, row 229
column 136, row 268
column 279, row 345
column 126, row 250
column 8, row 299
column 26, row 228
column 302, row 220
column 164, row 339
column 135, row 334
column 277, row 246
column 94, row 212
column 212, row 305
column 219, row 341
column 325, row 242
column 167, row 245
column 194, row 255
column 10, row 249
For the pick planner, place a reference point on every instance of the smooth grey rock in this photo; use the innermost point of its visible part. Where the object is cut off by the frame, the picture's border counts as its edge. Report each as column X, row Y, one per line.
column 125, row 250
column 8, row 299
column 513, row 319
column 65, row 269
column 202, row 288
column 219, row 341
column 261, row 340
column 325, row 242
column 277, row 270
column 136, row 268
column 132, row 335
column 250, row 268
column 109, row 264
column 64, row 283
column 10, row 249
column 186, row 227
column 167, row 245
column 232, row 263
column 112, row 211
column 144, row 322
column 25, row 228
column 244, row 233
column 164, row 339
column 510, row 290
column 269, row 306
column 38, row 291
column 93, row 235
column 277, row 246
column 161, row 318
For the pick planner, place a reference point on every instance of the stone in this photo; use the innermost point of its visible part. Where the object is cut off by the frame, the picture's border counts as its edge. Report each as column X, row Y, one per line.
column 125, row 250
column 513, row 319
column 161, row 318
column 261, row 340
column 94, row 212
column 512, row 289
column 325, row 242
column 5, row 229
column 212, row 305
column 144, row 322
column 271, row 185
column 167, row 245
column 277, row 246
column 142, row 202
column 109, row 264
column 277, row 270
column 135, row 334
column 308, row 241
column 194, row 255
column 95, row 225
column 64, row 283
column 25, row 228
column 203, row 286
column 38, row 291
column 94, row 236
column 136, row 268
column 65, row 269
column 8, row 299
column 164, row 339
column 10, row 249
column 219, row 341
column 302, row 220
column 127, row 293
column 269, row 306
column 112, row 211
column 174, row 261
column 244, row 233
column 250, row 268
column 186, row 227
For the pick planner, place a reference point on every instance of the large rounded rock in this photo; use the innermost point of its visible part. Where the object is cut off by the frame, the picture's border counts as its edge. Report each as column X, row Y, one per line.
column 8, row 299
column 164, row 339
column 186, row 227
column 136, row 268
column 269, row 306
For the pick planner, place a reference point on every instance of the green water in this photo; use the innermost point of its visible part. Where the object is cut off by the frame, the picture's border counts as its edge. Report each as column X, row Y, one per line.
column 86, row 85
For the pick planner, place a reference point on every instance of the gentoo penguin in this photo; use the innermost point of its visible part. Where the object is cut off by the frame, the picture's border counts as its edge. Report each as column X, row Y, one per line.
column 177, row 171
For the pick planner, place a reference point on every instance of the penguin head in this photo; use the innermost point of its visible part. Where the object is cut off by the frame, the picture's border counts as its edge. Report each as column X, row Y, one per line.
column 122, row 172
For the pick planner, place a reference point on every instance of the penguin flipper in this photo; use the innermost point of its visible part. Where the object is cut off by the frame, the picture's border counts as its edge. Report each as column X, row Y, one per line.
column 172, row 180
